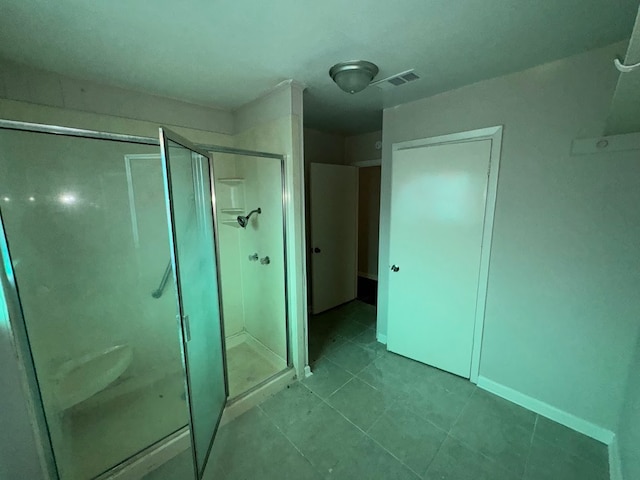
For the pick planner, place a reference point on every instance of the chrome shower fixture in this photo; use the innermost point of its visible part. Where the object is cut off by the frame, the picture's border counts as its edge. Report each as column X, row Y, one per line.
column 244, row 221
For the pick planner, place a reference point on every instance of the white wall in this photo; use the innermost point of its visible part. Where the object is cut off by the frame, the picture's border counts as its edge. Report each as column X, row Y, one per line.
column 273, row 123
column 562, row 306
column 629, row 426
column 323, row 147
column 25, row 84
column 363, row 147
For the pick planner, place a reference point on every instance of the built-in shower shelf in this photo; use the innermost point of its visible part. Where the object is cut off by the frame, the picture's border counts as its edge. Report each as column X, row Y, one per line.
column 232, row 211
column 231, row 223
column 232, row 180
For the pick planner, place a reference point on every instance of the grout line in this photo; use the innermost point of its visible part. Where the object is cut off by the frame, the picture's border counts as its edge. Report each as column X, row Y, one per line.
column 288, row 439
column 487, row 457
column 533, row 433
column 365, row 434
column 435, row 456
column 391, row 453
column 462, row 410
column 341, row 387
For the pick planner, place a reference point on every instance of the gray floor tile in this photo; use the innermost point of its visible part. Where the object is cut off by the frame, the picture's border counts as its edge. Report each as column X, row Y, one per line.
column 352, row 357
column 371, row 462
column 327, row 378
column 291, row 405
column 368, row 339
column 548, row 462
column 394, row 372
column 487, row 403
column 496, row 429
column 349, row 329
column 408, row 437
column 450, row 382
column 434, row 403
column 252, row 447
column 573, row 442
column 325, row 438
column 362, row 313
column 455, row 461
column 360, row 403
column 320, row 345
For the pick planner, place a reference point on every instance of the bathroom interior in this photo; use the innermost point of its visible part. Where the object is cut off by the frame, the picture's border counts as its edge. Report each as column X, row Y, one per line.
column 87, row 241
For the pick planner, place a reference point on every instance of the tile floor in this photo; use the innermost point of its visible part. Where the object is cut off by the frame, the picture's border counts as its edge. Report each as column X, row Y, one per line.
column 370, row 414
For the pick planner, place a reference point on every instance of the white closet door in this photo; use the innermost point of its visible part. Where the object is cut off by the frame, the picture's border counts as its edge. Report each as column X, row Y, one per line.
column 334, row 235
column 438, row 198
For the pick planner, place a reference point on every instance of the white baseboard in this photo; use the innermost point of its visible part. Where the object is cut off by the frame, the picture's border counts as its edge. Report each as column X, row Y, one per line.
column 567, row 419
column 381, row 337
column 615, row 462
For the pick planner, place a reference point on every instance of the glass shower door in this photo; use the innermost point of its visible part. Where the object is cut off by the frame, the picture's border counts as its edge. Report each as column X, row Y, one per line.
column 189, row 198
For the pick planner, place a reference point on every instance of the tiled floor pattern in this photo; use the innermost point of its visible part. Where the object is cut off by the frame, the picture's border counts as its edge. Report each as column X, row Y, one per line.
column 370, row 414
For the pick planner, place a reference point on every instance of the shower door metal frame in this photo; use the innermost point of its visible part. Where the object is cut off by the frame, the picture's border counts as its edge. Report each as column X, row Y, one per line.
column 17, row 326
column 12, row 304
column 170, row 136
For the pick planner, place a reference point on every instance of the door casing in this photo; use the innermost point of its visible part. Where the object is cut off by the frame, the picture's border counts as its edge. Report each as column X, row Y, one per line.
column 494, row 134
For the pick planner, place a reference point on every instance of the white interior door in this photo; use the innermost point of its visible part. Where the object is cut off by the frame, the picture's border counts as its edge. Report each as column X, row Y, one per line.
column 438, row 197
column 334, row 234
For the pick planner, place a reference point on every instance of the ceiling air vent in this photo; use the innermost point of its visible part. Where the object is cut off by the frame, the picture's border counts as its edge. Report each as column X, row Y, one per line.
column 396, row 80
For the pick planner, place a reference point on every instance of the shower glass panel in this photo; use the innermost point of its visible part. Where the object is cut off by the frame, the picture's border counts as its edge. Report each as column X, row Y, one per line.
column 252, row 267
column 188, row 184
column 86, row 226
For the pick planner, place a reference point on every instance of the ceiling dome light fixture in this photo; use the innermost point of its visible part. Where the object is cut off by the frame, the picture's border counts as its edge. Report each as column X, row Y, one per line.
column 353, row 76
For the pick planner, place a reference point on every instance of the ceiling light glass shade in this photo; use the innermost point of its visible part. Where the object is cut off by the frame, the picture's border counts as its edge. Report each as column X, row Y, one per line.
column 353, row 76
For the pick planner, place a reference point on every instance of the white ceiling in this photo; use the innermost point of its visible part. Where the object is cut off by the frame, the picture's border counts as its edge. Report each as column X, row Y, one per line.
column 228, row 52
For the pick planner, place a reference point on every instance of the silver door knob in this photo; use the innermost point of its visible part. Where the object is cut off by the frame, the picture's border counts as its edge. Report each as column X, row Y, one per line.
column 395, row 268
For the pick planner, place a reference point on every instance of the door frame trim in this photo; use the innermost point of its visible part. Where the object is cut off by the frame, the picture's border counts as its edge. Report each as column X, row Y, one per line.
column 494, row 134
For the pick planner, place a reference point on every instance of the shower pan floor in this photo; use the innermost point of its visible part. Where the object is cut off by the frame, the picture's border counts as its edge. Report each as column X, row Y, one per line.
column 101, row 438
column 249, row 363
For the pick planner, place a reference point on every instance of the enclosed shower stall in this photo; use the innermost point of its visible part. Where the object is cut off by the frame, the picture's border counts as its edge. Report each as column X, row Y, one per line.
column 249, row 191
column 125, row 273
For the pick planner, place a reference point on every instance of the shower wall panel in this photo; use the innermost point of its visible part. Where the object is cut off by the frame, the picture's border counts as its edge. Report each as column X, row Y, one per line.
column 264, row 301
